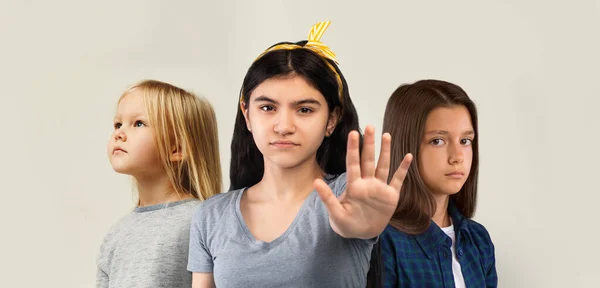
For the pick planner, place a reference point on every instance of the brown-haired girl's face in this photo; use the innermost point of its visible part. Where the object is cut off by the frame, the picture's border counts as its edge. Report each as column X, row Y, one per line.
column 445, row 151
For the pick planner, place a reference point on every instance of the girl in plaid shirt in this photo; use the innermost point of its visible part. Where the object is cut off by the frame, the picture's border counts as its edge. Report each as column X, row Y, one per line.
column 431, row 240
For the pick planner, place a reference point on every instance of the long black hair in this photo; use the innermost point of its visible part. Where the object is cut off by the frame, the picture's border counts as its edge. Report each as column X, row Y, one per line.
column 247, row 164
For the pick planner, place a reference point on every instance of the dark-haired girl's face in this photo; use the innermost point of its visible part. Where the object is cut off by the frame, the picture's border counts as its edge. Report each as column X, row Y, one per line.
column 288, row 119
column 445, row 152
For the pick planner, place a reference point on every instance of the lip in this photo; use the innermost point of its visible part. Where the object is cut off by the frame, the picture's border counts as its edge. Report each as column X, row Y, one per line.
column 455, row 174
column 284, row 144
column 119, row 150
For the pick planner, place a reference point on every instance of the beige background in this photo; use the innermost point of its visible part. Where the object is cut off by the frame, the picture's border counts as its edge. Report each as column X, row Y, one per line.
column 531, row 67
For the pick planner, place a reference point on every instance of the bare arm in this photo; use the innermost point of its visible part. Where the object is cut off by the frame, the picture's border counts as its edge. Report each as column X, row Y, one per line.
column 203, row 280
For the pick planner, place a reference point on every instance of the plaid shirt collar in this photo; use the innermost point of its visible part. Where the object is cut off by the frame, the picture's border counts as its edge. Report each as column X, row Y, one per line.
column 433, row 238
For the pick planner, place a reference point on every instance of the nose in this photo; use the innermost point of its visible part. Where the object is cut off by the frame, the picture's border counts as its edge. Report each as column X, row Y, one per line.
column 456, row 154
column 284, row 124
column 120, row 135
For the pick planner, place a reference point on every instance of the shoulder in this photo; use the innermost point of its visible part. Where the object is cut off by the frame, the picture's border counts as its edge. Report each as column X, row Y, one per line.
column 395, row 245
column 391, row 237
column 177, row 218
column 393, row 232
column 187, row 209
column 111, row 238
column 219, row 201
column 121, row 224
column 481, row 239
column 213, row 208
column 209, row 221
column 337, row 183
column 191, row 205
column 478, row 232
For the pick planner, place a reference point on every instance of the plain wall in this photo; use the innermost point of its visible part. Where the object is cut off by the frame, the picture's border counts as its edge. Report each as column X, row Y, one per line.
column 530, row 66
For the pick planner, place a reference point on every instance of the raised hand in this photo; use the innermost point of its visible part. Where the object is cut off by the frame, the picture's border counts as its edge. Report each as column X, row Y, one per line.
column 366, row 206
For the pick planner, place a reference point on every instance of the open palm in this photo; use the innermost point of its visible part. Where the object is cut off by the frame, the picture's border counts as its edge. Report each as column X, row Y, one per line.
column 366, row 206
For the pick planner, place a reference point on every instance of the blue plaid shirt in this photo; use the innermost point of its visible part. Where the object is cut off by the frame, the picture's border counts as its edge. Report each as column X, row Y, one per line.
column 425, row 260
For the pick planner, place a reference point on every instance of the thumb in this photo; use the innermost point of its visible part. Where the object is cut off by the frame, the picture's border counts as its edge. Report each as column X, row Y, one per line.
column 331, row 202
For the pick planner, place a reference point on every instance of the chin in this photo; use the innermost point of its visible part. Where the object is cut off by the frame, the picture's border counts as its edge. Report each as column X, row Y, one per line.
column 450, row 190
column 124, row 172
column 446, row 190
column 285, row 162
column 121, row 169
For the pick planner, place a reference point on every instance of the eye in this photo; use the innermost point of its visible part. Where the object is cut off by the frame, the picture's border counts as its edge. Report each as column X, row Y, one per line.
column 305, row 110
column 117, row 125
column 437, row 142
column 466, row 141
column 267, row 108
column 139, row 124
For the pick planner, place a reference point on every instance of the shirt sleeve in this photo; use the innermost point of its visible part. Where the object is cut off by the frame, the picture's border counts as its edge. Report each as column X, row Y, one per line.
column 491, row 277
column 101, row 278
column 199, row 259
column 339, row 185
column 388, row 261
column 487, row 252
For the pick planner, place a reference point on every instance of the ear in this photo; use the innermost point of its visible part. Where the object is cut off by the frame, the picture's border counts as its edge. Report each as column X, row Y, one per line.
column 244, row 108
column 332, row 122
column 176, row 155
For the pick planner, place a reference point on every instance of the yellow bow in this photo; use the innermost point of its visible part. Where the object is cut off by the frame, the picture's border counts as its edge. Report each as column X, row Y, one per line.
column 314, row 44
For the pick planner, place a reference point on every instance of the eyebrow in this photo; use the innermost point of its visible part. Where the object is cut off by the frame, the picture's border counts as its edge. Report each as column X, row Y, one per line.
column 299, row 102
column 265, row 99
column 137, row 115
column 444, row 132
column 307, row 101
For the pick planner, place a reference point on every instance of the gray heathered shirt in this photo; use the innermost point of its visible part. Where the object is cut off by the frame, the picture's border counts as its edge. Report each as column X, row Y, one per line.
column 308, row 254
column 148, row 248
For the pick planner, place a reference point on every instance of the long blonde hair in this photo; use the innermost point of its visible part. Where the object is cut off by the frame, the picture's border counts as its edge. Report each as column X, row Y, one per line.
column 183, row 120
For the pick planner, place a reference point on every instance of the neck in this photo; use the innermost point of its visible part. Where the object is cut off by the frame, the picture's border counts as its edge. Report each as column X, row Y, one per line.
column 441, row 216
column 157, row 190
column 290, row 183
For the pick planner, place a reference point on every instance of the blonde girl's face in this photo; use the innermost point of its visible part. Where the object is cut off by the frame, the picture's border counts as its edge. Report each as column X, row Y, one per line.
column 131, row 147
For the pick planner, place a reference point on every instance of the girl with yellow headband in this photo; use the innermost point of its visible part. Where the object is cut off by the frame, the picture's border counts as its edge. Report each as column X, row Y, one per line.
column 304, row 208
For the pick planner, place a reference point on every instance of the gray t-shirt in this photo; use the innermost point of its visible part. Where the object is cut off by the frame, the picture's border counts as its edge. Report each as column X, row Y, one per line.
column 308, row 254
column 148, row 248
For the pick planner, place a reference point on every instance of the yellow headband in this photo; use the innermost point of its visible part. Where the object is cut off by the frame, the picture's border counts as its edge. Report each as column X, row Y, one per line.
column 314, row 44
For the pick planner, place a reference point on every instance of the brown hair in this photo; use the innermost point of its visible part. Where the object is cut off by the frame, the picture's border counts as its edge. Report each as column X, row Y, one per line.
column 405, row 116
